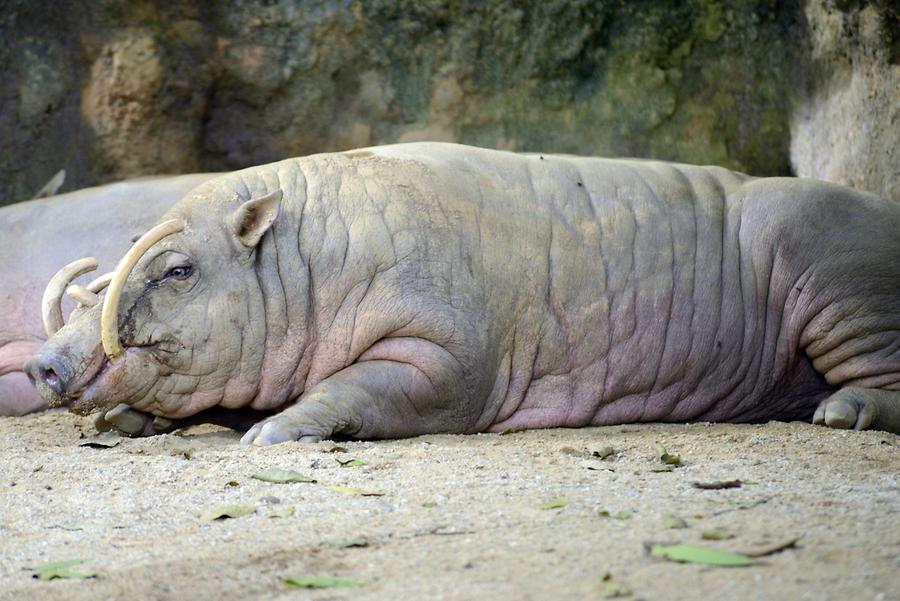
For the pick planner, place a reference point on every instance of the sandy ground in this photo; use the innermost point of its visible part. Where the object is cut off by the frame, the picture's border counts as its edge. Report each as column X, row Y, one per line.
column 459, row 516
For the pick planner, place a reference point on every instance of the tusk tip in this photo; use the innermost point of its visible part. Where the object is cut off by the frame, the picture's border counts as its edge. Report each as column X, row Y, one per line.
column 83, row 295
column 51, row 313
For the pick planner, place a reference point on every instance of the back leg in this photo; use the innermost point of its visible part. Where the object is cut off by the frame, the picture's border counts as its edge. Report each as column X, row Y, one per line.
column 840, row 252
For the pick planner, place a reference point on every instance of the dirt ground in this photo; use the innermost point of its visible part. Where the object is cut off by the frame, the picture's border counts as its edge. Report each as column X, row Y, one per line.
column 458, row 517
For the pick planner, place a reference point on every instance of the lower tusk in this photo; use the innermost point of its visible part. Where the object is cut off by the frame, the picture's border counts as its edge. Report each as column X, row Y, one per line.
column 83, row 295
column 51, row 312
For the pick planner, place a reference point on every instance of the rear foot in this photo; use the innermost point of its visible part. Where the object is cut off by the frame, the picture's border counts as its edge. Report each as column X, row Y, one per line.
column 860, row 409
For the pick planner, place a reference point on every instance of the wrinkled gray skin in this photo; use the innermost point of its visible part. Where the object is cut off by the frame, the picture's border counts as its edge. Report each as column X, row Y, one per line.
column 420, row 288
column 40, row 236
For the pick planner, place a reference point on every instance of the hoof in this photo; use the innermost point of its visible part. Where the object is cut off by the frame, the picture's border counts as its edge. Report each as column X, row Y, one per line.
column 847, row 409
column 277, row 429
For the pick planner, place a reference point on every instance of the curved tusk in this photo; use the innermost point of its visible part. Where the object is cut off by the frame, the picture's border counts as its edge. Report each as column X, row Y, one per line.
column 84, row 296
column 109, row 318
column 100, row 283
column 51, row 312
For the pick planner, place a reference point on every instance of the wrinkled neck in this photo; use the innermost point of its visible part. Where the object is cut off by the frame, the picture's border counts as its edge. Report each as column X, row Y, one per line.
column 282, row 273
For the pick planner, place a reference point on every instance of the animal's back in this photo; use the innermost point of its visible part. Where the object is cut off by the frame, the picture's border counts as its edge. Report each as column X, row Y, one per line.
column 648, row 291
column 584, row 290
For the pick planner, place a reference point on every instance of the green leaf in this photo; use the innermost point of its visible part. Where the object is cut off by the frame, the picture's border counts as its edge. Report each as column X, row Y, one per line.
column 715, row 535
column 356, row 491
column 70, row 526
column 227, row 511
column 60, row 569
column 687, row 553
column 607, row 587
column 720, row 485
column 557, row 503
column 665, row 457
column 58, row 565
column 673, row 521
column 282, row 512
column 604, row 452
column 619, row 515
column 511, row 431
column 351, row 462
column 356, row 543
column 429, row 504
column 281, row 476
column 614, row 590
column 774, row 548
column 322, row 582
column 104, row 440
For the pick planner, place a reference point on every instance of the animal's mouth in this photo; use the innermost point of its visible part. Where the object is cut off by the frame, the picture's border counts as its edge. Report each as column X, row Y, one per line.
column 95, row 366
column 97, row 388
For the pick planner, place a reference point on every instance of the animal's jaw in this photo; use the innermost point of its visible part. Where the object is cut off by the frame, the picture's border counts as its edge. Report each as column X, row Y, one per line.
column 109, row 385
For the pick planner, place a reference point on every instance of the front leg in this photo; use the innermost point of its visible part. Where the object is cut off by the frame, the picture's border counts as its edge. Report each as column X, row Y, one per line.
column 374, row 399
column 861, row 409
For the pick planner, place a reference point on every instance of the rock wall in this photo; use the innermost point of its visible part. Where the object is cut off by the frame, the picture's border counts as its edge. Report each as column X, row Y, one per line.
column 846, row 123
column 112, row 89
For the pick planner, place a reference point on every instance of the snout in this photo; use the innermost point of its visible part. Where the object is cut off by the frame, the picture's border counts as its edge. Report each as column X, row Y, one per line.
column 51, row 374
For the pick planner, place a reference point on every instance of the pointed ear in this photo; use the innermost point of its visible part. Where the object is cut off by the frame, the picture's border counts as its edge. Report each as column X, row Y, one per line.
column 254, row 218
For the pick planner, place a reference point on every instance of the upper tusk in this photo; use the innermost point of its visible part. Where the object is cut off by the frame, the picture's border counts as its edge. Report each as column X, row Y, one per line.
column 109, row 318
column 83, row 295
column 51, row 312
column 100, row 283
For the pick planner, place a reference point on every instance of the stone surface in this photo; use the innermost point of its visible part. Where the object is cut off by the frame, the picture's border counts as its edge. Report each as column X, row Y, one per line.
column 846, row 126
column 111, row 89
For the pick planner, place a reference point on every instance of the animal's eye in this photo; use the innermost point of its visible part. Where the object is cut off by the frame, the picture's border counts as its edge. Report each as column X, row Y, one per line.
column 180, row 272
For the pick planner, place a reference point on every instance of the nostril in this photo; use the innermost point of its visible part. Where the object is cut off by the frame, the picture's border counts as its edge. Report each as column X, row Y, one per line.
column 49, row 376
column 46, row 369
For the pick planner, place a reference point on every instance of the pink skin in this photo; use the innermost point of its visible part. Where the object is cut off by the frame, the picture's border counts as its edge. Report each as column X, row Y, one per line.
column 17, row 395
column 21, row 335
